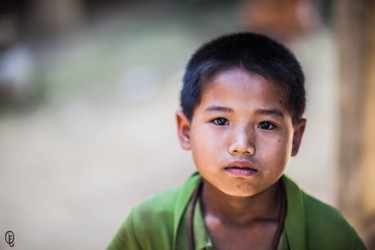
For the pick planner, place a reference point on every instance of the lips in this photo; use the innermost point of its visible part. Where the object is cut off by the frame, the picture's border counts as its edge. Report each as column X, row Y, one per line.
column 241, row 168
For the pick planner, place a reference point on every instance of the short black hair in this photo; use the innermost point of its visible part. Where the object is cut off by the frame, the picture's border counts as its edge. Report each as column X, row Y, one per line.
column 251, row 52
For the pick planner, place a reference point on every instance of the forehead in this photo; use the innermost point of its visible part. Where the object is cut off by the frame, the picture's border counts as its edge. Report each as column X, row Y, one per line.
column 243, row 85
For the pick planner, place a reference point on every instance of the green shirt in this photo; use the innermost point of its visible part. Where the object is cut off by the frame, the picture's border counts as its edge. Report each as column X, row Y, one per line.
column 161, row 223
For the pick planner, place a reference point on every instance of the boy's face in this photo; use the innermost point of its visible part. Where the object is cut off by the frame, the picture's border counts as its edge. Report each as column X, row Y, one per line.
column 241, row 134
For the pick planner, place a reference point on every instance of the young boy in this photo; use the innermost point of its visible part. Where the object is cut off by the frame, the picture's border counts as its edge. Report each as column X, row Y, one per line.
column 242, row 102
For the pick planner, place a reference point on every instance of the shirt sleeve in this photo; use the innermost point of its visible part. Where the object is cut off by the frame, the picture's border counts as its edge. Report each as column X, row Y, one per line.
column 125, row 237
column 358, row 244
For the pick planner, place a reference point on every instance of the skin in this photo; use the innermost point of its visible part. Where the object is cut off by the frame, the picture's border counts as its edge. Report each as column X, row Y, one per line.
column 241, row 137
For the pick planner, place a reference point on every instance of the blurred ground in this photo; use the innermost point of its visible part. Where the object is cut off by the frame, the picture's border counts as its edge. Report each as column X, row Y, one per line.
column 105, row 139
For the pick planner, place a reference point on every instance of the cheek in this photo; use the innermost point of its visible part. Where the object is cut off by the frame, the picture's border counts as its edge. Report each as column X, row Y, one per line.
column 204, row 137
column 205, row 145
column 283, row 145
column 284, row 149
column 200, row 145
column 277, row 158
column 278, row 147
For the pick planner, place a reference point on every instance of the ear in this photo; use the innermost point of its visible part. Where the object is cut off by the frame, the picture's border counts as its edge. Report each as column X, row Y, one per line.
column 299, row 128
column 183, row 130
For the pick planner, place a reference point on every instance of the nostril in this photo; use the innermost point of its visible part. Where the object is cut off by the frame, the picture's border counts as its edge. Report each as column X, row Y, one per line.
column 250, row 150
column 241, row 149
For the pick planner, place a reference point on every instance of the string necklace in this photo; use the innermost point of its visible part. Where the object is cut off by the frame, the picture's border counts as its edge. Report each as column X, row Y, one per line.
column 280, row 224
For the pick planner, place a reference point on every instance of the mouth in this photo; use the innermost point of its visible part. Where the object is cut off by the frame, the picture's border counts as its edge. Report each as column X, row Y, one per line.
column 241, row 168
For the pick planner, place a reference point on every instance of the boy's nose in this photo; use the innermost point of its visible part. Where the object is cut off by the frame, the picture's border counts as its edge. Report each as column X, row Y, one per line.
column 242, row 144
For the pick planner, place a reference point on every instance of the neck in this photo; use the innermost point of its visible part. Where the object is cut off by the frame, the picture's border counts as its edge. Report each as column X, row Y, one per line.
column 241, row 211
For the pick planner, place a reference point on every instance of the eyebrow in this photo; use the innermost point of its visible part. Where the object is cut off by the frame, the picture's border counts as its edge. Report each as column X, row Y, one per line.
column 259, row 111
column 270, row 112
column 218, row 108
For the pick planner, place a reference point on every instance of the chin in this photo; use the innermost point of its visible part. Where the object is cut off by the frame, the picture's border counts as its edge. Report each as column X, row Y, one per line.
column 239, row 192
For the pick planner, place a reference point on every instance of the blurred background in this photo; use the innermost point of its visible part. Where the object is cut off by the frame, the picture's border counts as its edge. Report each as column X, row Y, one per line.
column 88, row 91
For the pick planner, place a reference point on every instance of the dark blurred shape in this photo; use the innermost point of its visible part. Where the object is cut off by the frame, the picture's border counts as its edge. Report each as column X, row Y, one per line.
column 16, row 60
column 56, row 17
column 26, row 26
column 13, row 18
column 16, row 77
column 40, row 40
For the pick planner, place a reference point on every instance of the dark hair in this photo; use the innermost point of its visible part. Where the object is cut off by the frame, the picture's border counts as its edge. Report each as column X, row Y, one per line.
column 251, row 52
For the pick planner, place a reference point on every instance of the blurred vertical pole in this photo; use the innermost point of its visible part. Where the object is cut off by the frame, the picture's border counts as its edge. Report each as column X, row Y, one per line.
column 369, row 118
column 355, row 23
column 349, row 31
column 368, row 157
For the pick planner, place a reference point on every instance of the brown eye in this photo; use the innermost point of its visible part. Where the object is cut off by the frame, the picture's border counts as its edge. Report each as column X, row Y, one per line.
column 220, row 121
column 266, row 125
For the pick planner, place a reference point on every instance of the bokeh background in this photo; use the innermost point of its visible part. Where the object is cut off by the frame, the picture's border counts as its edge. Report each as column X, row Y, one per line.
column 89, row 88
